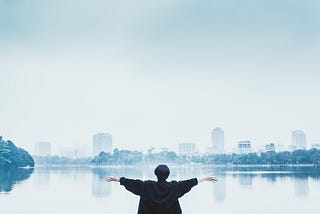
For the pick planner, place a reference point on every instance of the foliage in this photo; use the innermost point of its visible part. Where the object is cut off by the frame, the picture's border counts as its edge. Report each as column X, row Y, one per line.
column 119, row 157
column 12, row 156
column 311, row 156
column 126, row 157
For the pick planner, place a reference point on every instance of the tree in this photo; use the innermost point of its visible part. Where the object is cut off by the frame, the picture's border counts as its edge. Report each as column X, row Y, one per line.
column 12, row 156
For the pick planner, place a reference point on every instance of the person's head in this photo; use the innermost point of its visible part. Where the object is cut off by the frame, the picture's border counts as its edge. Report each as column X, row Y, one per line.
column 162, row 172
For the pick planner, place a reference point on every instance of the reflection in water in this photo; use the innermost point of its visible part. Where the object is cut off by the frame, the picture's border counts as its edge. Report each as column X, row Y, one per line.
column 301, row 187
column 271, row 177
column 299, row 174
column 180, row 173
column 100, row 188
column 10, row 177
column 219, row 189
column 69, row 186
column 42, row 177
column 246, row 180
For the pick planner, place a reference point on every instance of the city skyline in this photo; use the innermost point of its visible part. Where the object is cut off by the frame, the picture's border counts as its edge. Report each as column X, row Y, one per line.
column 105, row 138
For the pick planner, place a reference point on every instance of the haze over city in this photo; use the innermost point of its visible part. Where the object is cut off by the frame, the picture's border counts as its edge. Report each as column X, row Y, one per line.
column 159, row 73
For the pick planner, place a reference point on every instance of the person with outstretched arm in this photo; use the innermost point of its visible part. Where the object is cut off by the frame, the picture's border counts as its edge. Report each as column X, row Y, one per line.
column 159, row 197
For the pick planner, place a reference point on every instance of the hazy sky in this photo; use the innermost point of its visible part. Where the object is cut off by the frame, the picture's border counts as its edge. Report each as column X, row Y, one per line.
column 158, row 73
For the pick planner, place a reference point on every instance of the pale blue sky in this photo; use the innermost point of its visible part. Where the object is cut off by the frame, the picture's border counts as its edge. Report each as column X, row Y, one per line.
column 159, row 72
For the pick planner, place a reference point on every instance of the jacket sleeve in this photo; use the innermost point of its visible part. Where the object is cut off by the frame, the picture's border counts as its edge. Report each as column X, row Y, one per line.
column 134, row 186
column 185, row 186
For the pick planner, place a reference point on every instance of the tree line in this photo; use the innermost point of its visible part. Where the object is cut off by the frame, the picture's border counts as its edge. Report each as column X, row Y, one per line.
column 127, row 157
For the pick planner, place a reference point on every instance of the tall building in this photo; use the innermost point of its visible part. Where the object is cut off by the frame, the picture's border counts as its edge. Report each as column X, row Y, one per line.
column 217, row 136
column 244, row 147
column 270, row 147
column 101, row 142
column 42, row 149
column 299, row 139
column 246, row 180
column 187, row 148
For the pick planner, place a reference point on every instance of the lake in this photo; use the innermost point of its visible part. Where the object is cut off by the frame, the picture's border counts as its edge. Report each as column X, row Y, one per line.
column 83, row 190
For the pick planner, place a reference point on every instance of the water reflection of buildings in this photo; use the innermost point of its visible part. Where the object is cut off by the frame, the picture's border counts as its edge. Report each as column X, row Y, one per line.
column 219, row 189
column 301, row 187
column 271, row 177
column 246, row 180
column 42, row 177
column 100, row 188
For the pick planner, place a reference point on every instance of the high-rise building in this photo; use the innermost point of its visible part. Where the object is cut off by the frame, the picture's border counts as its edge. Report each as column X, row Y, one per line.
column 244, row 147
column 270, row 147
column 217, row 136
column 299, row 139
column 42, row 149
column 102, row 142
column 187, row 148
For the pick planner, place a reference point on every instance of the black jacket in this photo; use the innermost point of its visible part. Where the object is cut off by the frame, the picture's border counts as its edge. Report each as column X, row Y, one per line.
column 158, row 197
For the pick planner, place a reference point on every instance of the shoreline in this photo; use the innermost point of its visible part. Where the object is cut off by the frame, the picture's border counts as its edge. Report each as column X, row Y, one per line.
column 175, row 166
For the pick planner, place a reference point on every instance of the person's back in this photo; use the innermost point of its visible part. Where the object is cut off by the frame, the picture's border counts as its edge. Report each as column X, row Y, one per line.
column 159, row 197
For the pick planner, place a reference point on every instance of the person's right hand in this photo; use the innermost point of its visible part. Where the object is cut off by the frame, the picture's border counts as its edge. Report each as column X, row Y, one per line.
column 112, row 178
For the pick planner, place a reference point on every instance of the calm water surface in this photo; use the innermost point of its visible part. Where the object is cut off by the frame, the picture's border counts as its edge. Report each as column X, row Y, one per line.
column 83, row 190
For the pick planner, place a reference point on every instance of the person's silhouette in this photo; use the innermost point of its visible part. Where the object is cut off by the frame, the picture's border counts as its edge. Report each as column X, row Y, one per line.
column 159, row 197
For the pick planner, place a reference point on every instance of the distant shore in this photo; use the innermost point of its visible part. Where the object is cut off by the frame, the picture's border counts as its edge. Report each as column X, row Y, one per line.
column 175, row 166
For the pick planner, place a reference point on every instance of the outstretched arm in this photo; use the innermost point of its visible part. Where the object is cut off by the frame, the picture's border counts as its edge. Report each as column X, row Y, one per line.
column 208, row 178
column 185, row 186
column 134, row 186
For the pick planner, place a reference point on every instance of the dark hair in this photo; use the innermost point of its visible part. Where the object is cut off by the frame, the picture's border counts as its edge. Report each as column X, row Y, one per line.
column 162, row 172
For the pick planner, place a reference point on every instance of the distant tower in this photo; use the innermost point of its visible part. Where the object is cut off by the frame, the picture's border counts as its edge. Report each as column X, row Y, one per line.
column 299, row 139
column 42, row 149
column 101, row 142
column 217, row 136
